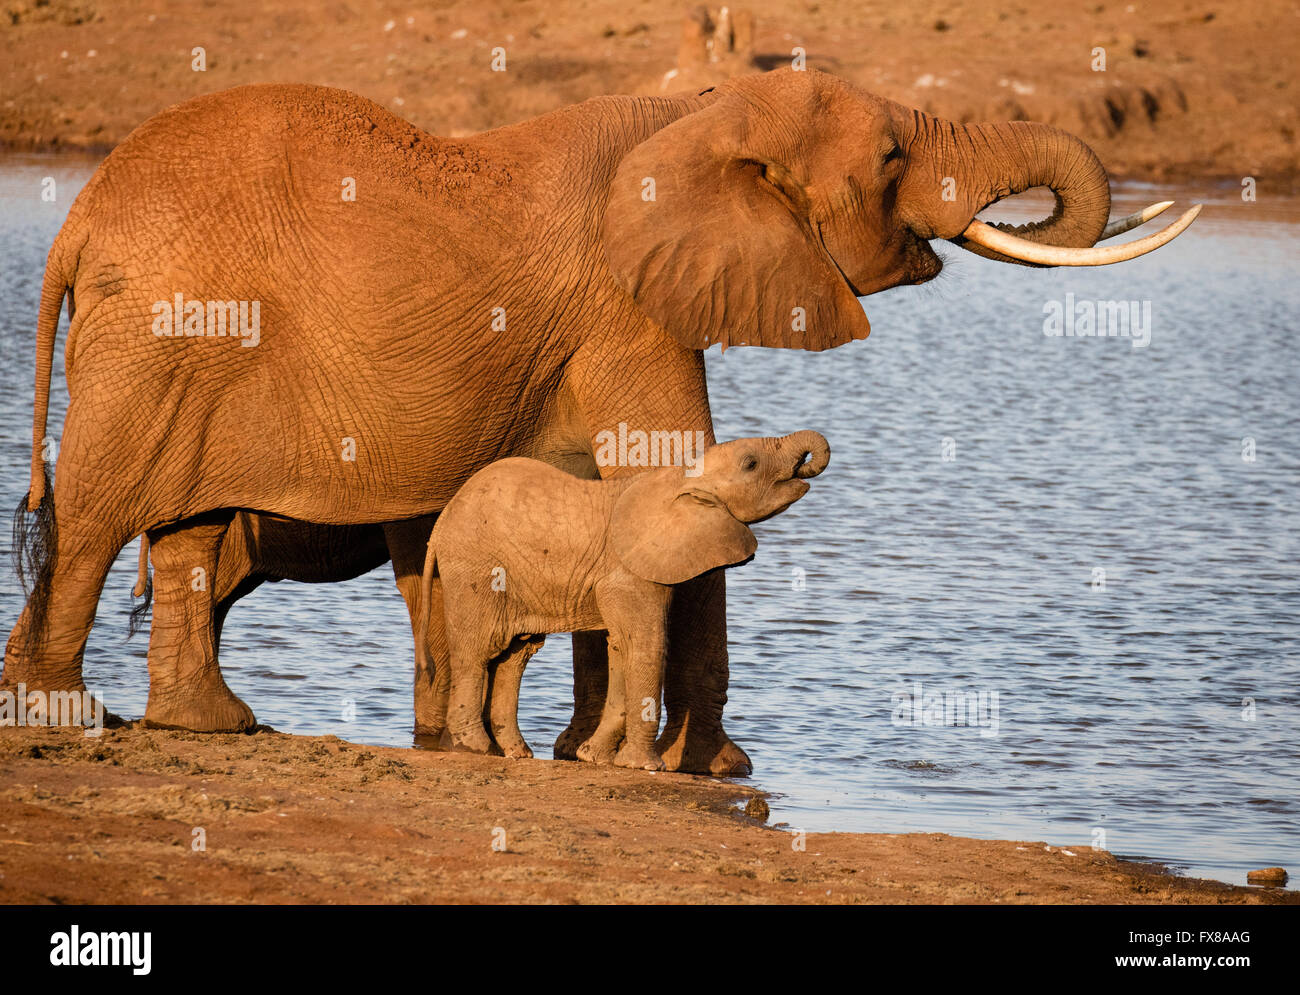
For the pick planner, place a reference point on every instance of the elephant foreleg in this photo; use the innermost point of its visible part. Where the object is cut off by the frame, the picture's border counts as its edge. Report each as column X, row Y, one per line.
column 695, row 683
column 590, row 683
column 642, row 651
column 604, row 741
column 407, row 543
column 186, row 689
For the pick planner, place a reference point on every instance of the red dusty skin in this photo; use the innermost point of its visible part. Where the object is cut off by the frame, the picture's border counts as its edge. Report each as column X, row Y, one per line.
column 965, row 168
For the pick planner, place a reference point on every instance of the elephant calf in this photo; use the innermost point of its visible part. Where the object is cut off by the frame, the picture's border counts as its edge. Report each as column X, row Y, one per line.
column 524, row 549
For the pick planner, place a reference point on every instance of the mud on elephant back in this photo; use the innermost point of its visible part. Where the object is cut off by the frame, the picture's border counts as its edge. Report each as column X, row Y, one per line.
column 616, row 239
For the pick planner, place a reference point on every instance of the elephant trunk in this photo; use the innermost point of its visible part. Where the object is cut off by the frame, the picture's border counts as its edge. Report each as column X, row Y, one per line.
column 808, row 453
column 955, row 171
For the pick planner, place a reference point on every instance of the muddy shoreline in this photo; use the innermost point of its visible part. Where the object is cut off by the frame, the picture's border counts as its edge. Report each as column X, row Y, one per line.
column 158, row 817
column 1185, row 93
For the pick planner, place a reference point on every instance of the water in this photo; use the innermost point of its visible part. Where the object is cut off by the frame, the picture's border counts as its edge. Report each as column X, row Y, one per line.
column 1123, row 715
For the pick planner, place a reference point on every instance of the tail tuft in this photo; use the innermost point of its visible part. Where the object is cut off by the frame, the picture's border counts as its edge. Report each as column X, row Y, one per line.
column 35, row 540
column 143, row 589
column 141, row 612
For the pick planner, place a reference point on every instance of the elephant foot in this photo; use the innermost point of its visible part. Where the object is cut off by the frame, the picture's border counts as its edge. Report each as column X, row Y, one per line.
column 430, row 713
column 436, row 741
column 474, row 741
column 510, row 744
column 517, row 751
column 599, row 749
column 217, row 710
column 638, row 757
column 567, row 745
column 570, row 741
column 718, row 756
column 63, row 703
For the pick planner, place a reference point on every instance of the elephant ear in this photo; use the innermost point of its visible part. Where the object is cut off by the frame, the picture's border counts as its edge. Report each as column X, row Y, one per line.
column 709, row 232
column 667, row 532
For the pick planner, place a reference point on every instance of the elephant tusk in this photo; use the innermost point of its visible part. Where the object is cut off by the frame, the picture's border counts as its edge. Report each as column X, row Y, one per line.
column 1023, row 250
column 1121, row 225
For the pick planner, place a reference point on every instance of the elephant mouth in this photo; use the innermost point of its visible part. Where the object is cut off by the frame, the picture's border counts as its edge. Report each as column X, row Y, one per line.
column 921, row 262
column 788, row 495
column 918, row 263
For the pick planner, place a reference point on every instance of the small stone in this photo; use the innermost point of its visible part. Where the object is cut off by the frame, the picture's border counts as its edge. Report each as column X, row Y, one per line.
column 1273, row 877
column 756, row 808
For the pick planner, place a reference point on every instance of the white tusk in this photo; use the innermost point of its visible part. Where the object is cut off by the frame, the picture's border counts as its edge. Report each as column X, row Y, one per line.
column 1120, row 226
column 1015, row 247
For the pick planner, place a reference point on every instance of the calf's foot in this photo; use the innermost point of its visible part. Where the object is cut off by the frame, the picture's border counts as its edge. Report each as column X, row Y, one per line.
column 516, row 751
column 510, row 743
column 569, row 743
column 474, row 741
column 602, row 746
column 638, row 757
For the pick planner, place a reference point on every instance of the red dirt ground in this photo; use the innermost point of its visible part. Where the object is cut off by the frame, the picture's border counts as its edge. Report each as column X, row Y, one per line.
column 316, row 820
column 1191, row 89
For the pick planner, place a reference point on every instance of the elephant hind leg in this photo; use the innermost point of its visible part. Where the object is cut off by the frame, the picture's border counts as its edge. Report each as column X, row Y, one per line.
column 407, row 543
column 503, row 696
column 695, row 683
column 467, row 704
column 35, row 550
column 50, row 658
column 186, row 689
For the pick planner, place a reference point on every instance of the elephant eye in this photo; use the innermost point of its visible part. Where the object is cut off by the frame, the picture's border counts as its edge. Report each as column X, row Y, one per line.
column 894, row 152
column 749, row 463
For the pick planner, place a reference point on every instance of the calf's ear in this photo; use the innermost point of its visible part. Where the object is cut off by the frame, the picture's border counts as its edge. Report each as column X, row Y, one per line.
column 668, row 533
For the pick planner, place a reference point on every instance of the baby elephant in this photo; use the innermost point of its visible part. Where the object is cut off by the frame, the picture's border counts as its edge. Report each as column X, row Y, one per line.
column 524, row 549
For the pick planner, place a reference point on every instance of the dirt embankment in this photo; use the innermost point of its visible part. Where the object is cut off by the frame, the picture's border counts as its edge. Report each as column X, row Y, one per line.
column 1190, row 88
column 150, row 816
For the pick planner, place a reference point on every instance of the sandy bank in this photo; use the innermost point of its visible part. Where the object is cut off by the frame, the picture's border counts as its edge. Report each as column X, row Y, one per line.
column 1187, row 90
column 283, row 818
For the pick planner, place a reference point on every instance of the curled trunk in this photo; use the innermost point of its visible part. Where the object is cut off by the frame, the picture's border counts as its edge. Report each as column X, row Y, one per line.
column 809, row 453
column 955, row 171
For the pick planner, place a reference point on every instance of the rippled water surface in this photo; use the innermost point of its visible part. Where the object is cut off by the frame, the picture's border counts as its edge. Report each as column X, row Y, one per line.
column 1124, row 711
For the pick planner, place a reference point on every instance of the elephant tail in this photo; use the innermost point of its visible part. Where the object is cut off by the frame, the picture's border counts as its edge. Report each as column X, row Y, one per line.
column 425, row 605
column 143, row 589
column 35, row 533
column 56, row 286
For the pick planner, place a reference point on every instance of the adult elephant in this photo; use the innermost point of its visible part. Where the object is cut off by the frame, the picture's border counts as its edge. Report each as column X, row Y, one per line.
column 429, row 306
